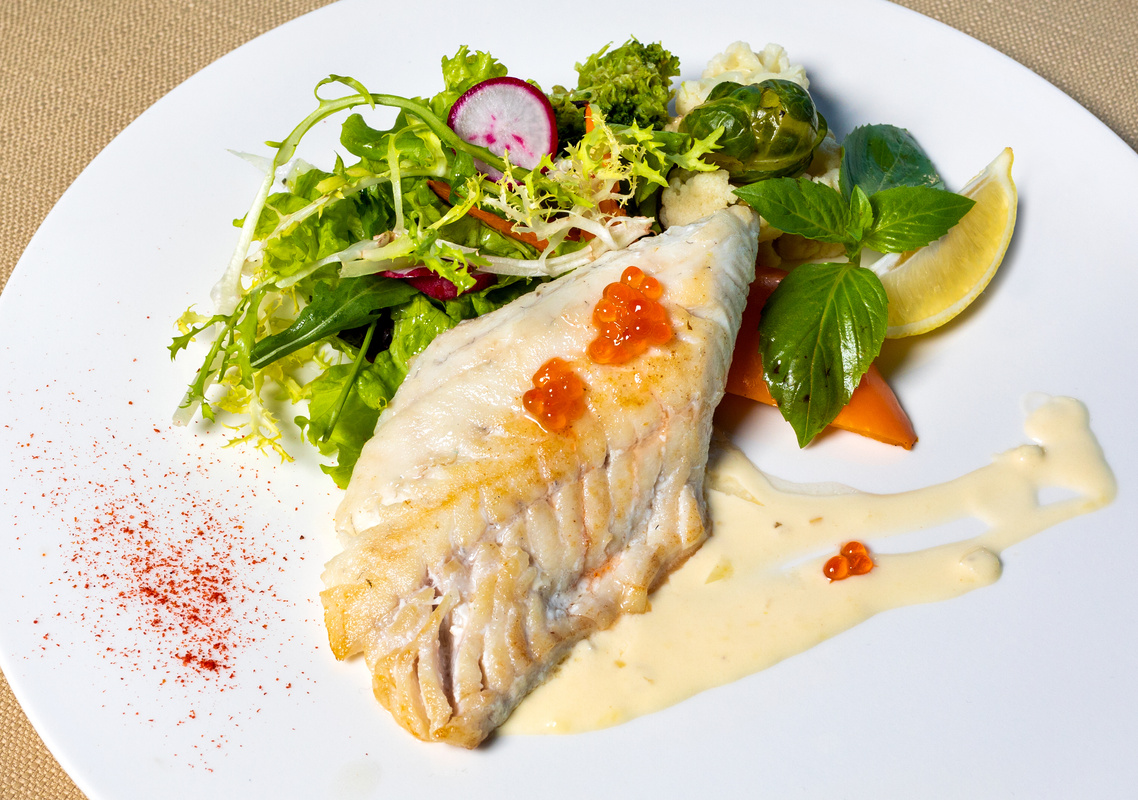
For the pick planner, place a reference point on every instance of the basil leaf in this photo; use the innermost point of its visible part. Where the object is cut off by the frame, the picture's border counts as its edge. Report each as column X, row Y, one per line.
column 820, row 330
column 877, row 157
column 352, row 303
column 861, row 214
column 908, row 217
column 801, row 206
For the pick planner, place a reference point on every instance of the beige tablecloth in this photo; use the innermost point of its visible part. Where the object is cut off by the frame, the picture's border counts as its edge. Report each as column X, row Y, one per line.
column 76, row 72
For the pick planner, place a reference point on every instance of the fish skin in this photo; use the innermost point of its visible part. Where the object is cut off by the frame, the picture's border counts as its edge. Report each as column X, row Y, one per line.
column 478, row 547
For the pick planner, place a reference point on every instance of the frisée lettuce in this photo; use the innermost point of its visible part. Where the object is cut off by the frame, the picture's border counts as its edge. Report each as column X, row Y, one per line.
column 342, row 275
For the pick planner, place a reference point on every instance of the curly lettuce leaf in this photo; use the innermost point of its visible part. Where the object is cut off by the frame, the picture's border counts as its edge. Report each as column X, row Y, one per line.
column 462, row 71
column 341, row 222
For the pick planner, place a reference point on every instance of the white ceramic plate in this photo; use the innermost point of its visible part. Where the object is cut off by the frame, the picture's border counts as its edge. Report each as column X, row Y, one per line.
column 1024, row 688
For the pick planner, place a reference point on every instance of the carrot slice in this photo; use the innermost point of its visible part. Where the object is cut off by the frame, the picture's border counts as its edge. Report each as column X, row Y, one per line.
column 502, row 226
column 872, row 411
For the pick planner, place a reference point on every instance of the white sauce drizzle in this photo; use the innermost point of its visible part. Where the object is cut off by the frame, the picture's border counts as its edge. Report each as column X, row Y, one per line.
column 755, row 594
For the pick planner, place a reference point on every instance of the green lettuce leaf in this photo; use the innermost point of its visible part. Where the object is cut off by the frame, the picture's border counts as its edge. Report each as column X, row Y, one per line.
column 417, row 323
column 462, row 71
column 339, row 224
column 354, row 421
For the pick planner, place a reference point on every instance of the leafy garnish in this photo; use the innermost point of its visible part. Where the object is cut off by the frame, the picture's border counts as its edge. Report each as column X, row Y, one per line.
column 910, row 217
column 630, row 85
column 801, row 206
column 353, row 303
column 820, row 330
column 877, row 157
column 825, row 324
column 461, row 72
column 891, row 221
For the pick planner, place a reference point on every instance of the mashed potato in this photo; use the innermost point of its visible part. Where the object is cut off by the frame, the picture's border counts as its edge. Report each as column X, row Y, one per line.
column 741, row 64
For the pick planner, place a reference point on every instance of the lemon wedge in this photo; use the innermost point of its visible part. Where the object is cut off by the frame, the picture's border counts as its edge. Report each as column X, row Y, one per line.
column 930, row 286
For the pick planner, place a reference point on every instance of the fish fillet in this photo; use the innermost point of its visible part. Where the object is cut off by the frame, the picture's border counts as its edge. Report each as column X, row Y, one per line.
column 478, row 548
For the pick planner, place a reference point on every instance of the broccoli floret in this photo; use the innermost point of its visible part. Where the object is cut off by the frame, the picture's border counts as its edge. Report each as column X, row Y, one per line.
column 631, row 84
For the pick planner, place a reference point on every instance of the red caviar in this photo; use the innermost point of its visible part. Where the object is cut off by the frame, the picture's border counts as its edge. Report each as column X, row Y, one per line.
column 837, row 568
column 852, row 560
column 558, row 396
column 629, row 318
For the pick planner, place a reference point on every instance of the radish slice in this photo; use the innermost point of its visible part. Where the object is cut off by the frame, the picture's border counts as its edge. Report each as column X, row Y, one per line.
column 436, row 286
column 503, row 114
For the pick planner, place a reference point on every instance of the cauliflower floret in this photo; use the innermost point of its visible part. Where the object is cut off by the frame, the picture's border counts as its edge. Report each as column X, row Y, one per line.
column 741, row 64
column 827, row 163
column 694, row 195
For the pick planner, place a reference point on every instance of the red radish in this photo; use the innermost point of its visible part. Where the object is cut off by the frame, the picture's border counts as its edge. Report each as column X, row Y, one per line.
column 438, row 287
column 503, row 114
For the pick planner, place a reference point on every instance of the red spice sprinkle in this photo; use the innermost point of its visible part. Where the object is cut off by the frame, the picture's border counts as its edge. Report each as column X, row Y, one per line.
column 170, row 588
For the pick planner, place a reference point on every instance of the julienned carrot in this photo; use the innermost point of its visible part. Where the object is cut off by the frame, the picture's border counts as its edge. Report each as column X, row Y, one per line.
column 873, row 410
column 502, row 226
column 608, row 205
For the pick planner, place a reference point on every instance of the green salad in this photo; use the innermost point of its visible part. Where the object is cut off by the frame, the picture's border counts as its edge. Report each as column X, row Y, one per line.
column 341, row 276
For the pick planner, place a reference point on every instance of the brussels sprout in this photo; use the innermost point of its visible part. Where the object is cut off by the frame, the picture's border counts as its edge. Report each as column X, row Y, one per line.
column 770, row 129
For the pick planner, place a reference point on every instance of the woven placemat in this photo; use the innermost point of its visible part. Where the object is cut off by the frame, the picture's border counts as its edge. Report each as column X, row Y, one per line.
column 83, row 69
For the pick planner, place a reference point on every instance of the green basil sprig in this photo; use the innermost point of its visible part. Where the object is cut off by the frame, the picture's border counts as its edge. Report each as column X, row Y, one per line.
column 825, row 323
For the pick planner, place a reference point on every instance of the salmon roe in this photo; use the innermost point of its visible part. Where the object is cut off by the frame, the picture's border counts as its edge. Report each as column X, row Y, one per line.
column 629, row 318
column 558, row 396
column 852, row 560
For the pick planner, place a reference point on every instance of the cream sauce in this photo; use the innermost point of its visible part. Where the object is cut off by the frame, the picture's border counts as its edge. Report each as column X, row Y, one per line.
column 755, row 594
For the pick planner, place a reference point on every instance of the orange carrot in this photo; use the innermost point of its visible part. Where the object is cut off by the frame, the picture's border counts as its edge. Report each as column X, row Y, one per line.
column 502, row 226
column 873, row 410
column 608, row 205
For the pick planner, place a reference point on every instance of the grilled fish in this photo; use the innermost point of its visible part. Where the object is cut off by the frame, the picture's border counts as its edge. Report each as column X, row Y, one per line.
column 477, row 546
